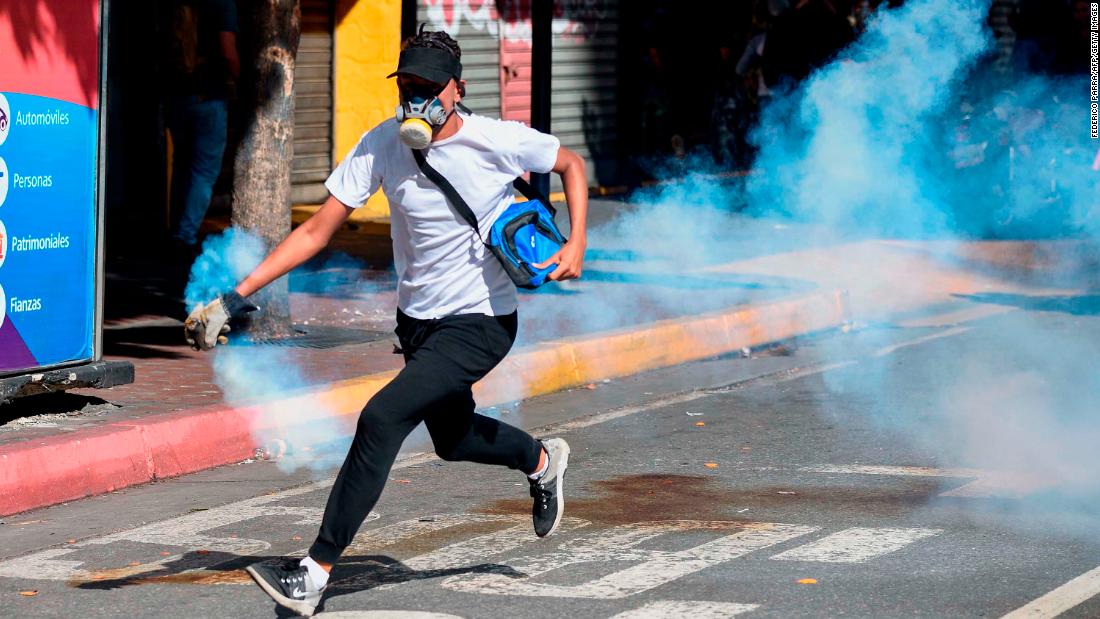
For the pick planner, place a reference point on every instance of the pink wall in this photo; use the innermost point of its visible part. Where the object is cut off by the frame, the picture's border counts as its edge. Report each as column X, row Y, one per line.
column 50, row 48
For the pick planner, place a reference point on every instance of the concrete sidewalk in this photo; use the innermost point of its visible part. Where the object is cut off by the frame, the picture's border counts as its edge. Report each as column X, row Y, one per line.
column 627, row 315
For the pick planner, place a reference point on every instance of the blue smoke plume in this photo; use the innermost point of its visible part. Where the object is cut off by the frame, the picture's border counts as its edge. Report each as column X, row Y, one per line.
column 847, row 148
column 299, row 434
column 907, row 134
column 225, row 260
column 910, row 133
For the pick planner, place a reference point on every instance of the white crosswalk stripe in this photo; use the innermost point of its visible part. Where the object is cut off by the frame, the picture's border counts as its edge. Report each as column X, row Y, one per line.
column 650, row 568
column 695, row 610
column 856, row 545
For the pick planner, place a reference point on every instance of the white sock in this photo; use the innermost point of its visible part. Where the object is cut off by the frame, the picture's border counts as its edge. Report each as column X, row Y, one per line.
column 316, row 572
column 539, row 473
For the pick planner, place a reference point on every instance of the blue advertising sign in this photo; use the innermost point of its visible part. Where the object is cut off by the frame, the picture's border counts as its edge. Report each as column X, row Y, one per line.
column 49, row 142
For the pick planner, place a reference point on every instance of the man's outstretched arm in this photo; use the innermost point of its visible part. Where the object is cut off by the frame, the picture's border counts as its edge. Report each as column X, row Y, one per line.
column 302, row 244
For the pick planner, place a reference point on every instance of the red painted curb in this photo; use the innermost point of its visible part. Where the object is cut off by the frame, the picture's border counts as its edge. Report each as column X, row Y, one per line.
column 188, row 441
column 69, row 466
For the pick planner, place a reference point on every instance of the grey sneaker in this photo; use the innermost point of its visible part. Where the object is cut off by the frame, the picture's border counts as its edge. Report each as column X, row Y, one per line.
column 549, row 490
column 289, row 584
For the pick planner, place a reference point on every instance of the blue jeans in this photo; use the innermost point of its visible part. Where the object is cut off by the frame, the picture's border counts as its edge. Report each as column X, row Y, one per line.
column 198, row 140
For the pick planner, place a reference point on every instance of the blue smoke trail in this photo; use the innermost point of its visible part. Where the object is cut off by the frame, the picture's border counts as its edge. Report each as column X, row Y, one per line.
column 263, row 376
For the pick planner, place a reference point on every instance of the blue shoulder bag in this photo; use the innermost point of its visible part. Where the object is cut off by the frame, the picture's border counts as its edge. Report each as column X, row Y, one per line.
column 524, row 235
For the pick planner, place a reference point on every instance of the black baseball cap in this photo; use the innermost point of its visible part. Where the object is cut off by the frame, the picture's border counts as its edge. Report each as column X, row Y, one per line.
column 434, row 65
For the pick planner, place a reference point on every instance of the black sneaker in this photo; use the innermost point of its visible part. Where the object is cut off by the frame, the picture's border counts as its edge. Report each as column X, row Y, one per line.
column 549, row 490
column 289, row 584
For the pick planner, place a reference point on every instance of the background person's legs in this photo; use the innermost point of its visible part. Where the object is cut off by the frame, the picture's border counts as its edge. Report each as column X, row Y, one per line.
column 179, row 126
column 203, row 136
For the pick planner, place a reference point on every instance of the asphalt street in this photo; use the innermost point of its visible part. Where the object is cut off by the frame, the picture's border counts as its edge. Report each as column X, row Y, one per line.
column 907, row 469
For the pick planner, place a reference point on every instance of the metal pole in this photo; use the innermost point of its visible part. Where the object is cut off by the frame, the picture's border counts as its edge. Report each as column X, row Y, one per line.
column 542, row 13
column 408, row 18
column 101, row 182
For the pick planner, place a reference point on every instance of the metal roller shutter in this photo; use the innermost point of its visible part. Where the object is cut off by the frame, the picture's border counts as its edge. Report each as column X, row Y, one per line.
column 584, row 85
column 584, row 80
column 313, row 105
column 475, row 25
column 496, row 49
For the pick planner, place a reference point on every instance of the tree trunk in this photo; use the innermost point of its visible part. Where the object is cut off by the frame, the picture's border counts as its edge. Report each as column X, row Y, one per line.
column 270, row 30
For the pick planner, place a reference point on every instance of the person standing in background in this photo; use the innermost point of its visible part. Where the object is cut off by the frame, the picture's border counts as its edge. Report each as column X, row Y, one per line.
column 202, row 63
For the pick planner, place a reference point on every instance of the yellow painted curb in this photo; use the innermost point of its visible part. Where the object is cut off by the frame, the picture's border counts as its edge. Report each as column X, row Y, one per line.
column 552, row 366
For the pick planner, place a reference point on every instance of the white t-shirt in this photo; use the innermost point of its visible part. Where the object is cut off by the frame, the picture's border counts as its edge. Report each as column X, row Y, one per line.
column 443, row 268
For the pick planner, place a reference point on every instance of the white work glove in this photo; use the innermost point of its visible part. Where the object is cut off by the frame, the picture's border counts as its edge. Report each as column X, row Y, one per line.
column 208, row 324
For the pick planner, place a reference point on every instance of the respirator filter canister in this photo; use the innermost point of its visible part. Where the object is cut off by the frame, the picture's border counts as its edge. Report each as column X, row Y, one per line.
column 418, row 117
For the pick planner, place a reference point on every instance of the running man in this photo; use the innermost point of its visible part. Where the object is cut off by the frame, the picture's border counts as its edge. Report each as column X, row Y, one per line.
column 456, row 316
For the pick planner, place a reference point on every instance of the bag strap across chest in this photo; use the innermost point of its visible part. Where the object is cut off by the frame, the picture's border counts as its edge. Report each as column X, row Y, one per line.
column 460, row 205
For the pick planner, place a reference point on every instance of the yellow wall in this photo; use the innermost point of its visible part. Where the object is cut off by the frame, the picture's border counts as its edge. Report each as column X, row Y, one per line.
column 368, row 39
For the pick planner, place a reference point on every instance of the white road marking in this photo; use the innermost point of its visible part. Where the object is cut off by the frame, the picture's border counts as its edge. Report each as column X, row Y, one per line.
column 995, row 485
column 815, row 370
column 385, row 614
column 783, row 376
column 889, row 350
column 652, row 568
column 690, row 396
column 474, row 550
column 986, row 484
column 900, row 471
column 695, row 610
column 856, row 545
column 453, row 556
column 956, row 317
column 188, row 530
column 618, row 413
column 1061, row 599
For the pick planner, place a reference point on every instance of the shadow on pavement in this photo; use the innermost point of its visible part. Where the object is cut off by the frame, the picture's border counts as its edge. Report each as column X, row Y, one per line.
column 141, row 342
column 62, row 403
column 351, row 575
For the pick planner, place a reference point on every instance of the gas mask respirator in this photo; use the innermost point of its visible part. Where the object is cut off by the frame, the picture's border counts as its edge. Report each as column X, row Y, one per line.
column 421, row 111
column 419, row 114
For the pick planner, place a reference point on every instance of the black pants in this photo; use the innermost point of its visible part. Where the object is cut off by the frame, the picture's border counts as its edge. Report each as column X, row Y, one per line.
column 443, row 359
